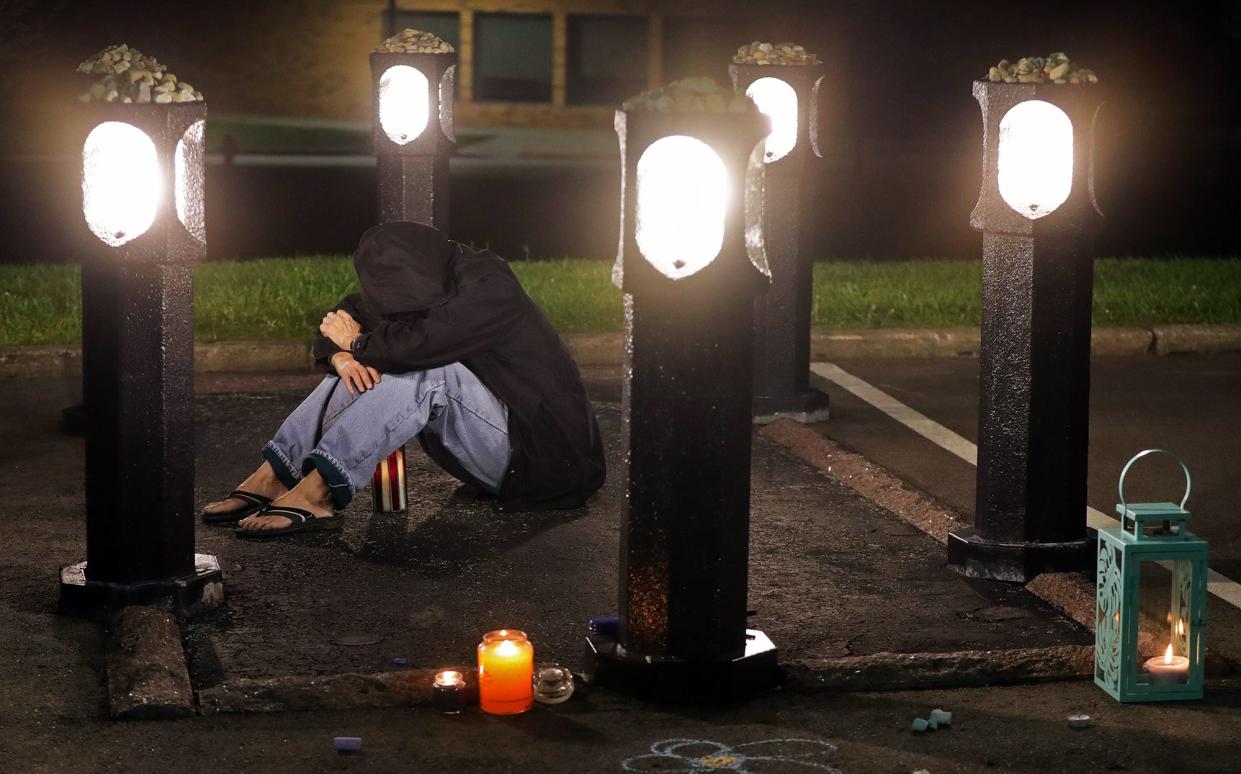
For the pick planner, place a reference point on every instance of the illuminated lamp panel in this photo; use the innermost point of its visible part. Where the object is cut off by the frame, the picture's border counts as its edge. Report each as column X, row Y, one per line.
column 682, row 195
column 121, row 186
column 403, row 110
column 816, row 99
column 1035, row 164
column 778, row 100
column 188, row 181
column 446, row 102
column 755, row 201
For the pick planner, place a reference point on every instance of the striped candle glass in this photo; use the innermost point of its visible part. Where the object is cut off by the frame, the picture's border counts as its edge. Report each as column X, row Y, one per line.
column 388, row 483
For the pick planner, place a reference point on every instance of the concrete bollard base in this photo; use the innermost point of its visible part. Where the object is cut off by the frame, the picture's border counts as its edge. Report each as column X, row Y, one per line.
column 807, row 408
column 975, row 557
column 184, row 595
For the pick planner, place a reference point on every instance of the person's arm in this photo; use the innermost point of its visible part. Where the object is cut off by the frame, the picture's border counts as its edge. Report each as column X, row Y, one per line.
column 323, row 347
column 466, row 324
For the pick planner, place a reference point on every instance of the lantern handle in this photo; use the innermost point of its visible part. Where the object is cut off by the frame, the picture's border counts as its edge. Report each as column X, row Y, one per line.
column 1124, row 471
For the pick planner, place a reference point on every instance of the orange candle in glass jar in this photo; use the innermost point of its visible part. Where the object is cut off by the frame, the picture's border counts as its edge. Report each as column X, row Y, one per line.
column 505, row 672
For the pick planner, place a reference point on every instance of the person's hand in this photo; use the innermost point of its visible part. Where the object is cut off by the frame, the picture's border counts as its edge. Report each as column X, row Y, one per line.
column 341, row 328
column 357, row 377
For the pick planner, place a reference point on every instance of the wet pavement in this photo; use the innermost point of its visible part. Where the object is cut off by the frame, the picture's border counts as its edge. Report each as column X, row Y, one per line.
column 831, row 574
column 379, row 577
column 1187, row 404
column 1190, row 405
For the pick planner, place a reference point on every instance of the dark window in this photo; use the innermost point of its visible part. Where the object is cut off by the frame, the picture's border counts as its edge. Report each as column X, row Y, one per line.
column 606, row 59
column 698, row 45
column 445, row 26
column 513, row 57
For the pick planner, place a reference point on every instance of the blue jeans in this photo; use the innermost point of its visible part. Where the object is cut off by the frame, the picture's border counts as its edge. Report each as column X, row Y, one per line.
column 344, row 436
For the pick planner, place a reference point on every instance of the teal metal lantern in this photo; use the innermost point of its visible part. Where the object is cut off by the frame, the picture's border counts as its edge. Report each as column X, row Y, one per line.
column 1150, row 605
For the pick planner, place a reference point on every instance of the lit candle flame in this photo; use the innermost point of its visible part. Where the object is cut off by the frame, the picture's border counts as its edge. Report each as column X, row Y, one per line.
column 507, row 648
column 1167, row 654
column 448, row 678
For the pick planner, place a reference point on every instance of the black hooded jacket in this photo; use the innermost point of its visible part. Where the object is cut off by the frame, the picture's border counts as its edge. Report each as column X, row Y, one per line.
column 427, row 301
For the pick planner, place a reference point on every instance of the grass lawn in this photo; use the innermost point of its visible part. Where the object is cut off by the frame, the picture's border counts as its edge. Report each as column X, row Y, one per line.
column 284, row 298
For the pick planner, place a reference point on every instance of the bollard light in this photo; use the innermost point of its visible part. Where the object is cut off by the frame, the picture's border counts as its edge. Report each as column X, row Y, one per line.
column 1037, row 211
column 413, row 77
column 689, row 265
column 1150, row 609
column 142, row 205
column 784, row 81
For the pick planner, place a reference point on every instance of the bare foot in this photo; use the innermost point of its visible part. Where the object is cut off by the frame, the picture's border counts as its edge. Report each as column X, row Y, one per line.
column 261, row 482
column 310, row 494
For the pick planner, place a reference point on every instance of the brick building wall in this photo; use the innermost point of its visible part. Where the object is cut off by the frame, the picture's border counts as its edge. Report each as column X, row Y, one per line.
column 308, row 58
column 323, row 47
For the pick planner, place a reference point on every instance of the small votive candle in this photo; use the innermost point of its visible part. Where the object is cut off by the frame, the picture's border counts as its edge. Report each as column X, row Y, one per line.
column 448, row 692
column 1168, row 669
column 505, row 672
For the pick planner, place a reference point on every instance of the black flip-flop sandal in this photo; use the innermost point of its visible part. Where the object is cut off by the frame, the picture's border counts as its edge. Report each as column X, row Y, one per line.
column 303, row 521
column 253, row 504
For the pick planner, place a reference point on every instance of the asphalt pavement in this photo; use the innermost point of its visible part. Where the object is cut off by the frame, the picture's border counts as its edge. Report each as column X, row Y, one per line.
column 1190, row 405
column 52, row 703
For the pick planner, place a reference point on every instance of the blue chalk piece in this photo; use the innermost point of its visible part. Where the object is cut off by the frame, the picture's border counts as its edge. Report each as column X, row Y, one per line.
column 347, row 743
column 606, row 625
column 400, row 661
column 919, row 725
column 932, row 724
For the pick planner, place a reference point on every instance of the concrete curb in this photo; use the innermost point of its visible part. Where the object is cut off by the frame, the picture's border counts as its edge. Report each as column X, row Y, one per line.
column 875, row 483
column 1192, row 339
column 254, row 356
column 877, row 672
column 954, row 342
column 607, row 349
column 220, row 356
column 919, row 671
column 145, row 662
column 406, row 688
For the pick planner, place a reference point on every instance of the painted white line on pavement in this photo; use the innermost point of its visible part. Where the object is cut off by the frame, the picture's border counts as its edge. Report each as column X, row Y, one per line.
column 1217, row 584
column 919, row 423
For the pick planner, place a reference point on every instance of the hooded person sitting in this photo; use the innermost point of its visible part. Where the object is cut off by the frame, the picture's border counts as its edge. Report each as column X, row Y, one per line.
column 442, row 343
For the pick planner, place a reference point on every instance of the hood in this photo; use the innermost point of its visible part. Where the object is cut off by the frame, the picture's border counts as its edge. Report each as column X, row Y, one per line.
column 404, row 267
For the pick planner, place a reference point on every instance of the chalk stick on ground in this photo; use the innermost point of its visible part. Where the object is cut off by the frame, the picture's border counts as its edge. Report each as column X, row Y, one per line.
column 344, row 744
